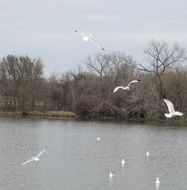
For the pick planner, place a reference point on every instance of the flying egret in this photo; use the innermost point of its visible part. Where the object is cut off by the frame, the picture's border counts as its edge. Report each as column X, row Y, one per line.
column 35, row 158
column 171, row 110
column 89, row 37
column 127, row 87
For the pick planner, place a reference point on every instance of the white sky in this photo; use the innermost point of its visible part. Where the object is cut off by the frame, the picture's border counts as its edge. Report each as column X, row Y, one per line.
column 45, row 28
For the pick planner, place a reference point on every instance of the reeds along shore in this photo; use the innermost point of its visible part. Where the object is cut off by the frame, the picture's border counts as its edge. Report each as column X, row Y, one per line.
column 88, row 92
column 48, row 114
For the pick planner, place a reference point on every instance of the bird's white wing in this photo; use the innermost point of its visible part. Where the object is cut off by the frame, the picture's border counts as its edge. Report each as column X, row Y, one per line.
column 133, row 81
column 40, row 153
column 85, row 37
column 26, row 162
column 169, row 105
column 96, row 43
column 118, row 87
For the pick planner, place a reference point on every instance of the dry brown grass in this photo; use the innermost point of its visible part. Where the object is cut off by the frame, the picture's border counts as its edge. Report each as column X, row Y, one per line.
column 53, row 114
column 57, row 114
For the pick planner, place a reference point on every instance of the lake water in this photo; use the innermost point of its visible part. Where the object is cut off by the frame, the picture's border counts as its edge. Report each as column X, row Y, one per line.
column 75, row 160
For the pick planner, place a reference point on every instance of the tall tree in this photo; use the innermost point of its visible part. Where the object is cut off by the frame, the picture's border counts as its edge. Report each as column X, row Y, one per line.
column 20, row 79
column 162, row 57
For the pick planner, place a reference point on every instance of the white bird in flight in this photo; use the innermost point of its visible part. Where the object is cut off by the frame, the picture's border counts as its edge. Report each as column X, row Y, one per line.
column 157, row 181
column 35, row 158
column 89, row 37
column 127, row 87
column 171, row 109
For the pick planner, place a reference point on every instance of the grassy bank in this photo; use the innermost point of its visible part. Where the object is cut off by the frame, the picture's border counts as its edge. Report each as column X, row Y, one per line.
column 48, row 114
column 71, row 115
column 172, row 121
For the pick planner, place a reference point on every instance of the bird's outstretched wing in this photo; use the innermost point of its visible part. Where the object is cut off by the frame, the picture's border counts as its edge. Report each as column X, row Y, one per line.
column 118, row 87
column 26, row 162
column 96, row 43
column 40, row 153
column 85, row 38
column 169, row 105
column 133, row 81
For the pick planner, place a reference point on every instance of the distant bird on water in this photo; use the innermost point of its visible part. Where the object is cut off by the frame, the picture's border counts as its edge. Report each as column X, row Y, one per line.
column 98, row 138
column 123, row 162
column 147, row 154
column 111, row 175
column 35, row 158
column 171, row 110
column 157, row 181
column 127, row 87
column 89, row 37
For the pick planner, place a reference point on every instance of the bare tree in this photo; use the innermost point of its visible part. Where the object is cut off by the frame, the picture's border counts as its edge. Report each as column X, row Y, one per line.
column 175, row 82
column 161, row 58
column 120, row 66
column 20, row 78
column 97, row 64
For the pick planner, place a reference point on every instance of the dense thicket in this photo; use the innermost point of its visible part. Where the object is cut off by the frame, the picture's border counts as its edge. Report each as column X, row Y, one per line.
column 88, row 92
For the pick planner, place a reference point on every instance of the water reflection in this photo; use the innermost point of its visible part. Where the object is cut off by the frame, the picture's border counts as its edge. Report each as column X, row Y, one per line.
column 157, row 186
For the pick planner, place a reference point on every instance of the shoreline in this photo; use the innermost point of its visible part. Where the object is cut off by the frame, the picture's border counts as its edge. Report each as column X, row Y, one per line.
column 67, row 115
column 38, row 114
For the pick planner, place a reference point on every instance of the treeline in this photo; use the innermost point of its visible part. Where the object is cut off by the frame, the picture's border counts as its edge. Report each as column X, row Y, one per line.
column 88, row 92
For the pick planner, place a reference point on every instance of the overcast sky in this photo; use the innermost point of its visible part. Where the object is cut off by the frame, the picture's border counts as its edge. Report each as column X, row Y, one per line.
column 45, row 28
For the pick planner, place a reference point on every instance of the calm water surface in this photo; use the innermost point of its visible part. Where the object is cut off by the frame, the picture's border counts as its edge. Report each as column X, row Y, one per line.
column 75, row 160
